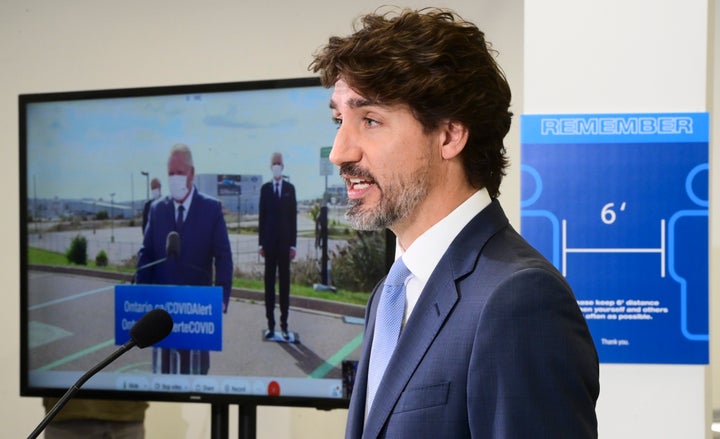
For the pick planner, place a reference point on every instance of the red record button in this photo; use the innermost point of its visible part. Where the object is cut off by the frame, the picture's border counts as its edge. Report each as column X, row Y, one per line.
column 274, row 388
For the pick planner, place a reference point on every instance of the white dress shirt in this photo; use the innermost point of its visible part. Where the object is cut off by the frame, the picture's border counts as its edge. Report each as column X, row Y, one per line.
column 426, row 251
column 185, row 204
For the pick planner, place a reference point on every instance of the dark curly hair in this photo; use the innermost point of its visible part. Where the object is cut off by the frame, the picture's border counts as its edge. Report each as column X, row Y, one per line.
column 441, row 67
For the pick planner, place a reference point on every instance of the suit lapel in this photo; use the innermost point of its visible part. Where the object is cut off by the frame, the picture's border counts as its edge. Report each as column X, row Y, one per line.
column 193, row 207
column 356, row 411
column 169, row 213
column 433, row 308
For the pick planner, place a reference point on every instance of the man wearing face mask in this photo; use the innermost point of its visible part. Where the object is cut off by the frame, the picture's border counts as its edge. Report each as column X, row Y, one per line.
column 277, row 238
column 154, row 195
column 204, row 249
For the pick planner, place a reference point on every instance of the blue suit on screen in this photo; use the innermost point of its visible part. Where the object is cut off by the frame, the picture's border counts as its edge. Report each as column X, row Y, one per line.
column 204, row 250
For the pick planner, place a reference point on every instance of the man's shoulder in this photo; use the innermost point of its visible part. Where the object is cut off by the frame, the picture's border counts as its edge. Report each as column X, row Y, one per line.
column 160, row 203
column 288, row 187
column 205, row 199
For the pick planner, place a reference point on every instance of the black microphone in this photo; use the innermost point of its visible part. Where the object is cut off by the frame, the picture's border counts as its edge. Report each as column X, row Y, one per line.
column 172, row 251
column 154, row 326
column 150, row 329
column 172, row 245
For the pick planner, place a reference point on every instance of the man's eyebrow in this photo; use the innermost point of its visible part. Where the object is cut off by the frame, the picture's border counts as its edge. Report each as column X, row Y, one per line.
column 354, row 103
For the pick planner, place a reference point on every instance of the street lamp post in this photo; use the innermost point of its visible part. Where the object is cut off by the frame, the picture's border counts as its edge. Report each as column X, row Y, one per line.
column 147, row 179
column 112, row 217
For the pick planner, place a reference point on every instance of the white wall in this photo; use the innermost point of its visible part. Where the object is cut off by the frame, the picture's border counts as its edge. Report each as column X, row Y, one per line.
column 619, row 56
column 96, row 44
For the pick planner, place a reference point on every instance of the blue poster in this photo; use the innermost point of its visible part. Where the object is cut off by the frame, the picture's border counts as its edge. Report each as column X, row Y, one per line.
column 196, row 312
column 619, row 204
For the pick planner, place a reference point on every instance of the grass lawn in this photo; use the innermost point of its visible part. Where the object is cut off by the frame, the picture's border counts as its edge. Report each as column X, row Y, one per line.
column 45, row 257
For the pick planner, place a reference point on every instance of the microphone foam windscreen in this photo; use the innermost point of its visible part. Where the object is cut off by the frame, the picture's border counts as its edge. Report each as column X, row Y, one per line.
column 151, row 328
column 172, row 245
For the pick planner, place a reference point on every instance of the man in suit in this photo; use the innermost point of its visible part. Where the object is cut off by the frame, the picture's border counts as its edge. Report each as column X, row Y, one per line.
column 277, row 237
column 155, row 194
column 204, row 247
column 492, row 343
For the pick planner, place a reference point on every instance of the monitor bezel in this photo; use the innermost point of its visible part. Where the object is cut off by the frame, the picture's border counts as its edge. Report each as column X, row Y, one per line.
column 324, row 403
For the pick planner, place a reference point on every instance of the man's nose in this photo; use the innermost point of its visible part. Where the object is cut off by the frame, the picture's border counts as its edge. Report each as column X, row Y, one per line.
column 344, row 148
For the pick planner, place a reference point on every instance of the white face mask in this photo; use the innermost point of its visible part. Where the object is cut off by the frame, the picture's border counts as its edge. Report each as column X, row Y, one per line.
column 155, row 193
column 277, row 171
column 177, row 185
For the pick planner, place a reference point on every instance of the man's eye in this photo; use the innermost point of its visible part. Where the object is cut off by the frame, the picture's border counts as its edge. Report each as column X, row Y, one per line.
column 337, row 121
column 371, row 122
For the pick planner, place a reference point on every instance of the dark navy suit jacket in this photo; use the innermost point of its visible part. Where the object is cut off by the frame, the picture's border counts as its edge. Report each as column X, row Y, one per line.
column 495, row 348
column 277, row 221
column 204, row 245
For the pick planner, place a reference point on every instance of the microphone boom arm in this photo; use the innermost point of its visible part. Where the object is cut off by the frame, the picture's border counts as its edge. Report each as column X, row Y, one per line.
column 72, row 390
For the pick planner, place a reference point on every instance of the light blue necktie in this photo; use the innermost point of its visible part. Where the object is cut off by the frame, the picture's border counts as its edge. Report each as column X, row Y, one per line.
column 388, row 321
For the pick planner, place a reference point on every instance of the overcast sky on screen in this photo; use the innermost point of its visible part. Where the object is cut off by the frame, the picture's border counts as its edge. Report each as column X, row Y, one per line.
column 92, row 148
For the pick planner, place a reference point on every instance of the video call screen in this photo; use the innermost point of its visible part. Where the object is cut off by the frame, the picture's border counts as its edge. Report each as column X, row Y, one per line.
column 87, row 159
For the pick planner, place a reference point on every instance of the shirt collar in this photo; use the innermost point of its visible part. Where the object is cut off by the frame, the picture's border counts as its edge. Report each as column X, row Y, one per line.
column 425, row 252
column 187, row 202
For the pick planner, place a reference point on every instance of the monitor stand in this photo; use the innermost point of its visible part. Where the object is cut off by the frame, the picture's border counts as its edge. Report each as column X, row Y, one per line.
column 220, row 419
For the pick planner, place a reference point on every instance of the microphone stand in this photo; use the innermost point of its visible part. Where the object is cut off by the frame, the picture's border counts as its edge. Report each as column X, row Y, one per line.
column 151, row 264
column 72, row 390
column 172, row 251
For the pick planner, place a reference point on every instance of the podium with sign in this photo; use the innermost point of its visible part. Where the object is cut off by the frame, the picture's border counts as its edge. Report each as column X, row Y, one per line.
column 196, row 311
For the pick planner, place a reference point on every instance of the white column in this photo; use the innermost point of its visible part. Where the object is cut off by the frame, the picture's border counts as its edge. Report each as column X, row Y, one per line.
column 620, row 56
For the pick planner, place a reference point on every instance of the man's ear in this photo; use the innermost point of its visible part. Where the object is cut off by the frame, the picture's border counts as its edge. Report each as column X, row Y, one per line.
column 454, row 136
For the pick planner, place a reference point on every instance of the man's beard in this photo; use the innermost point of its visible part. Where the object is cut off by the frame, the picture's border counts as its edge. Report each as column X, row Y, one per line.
column 397, row 201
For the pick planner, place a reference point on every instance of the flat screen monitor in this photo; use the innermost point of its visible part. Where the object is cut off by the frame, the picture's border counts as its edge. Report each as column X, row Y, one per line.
column 87, row 160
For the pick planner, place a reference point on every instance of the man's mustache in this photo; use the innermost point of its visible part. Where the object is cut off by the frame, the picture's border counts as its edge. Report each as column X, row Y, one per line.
column 354, row 170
